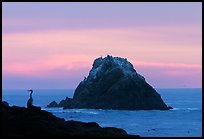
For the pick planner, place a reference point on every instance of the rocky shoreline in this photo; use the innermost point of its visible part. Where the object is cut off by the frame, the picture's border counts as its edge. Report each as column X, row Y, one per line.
column 34, row 122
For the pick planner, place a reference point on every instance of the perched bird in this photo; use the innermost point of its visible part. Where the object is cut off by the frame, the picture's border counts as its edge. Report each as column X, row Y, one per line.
column 30, row 100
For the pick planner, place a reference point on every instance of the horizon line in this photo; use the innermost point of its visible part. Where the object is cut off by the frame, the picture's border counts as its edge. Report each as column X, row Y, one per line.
column 75, row 88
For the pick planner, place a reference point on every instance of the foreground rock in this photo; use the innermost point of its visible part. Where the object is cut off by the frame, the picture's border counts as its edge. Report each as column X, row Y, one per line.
column 113, row 83
column 34, row 122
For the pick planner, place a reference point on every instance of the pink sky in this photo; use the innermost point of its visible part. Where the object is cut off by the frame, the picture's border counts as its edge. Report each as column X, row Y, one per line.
column 168, row 55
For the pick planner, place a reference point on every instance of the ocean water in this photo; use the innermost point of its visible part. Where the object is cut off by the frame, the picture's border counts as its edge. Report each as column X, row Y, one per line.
column 185, row 120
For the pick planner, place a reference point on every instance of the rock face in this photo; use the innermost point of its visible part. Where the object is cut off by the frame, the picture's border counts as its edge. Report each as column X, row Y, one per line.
column 67, row 102
column 113, row 83
column 34, row 122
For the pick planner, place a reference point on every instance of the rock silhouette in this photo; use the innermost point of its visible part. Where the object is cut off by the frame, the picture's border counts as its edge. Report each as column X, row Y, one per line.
column 34, row 122
column 113, row 83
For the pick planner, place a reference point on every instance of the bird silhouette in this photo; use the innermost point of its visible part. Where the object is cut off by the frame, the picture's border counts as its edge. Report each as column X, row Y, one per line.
column 30, row 100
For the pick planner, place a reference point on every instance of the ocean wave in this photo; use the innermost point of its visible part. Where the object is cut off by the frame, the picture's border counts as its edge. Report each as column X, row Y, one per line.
column 95, row 112
column 61, row 110
column 174, row 109
column 86, row 111
column 55, row 110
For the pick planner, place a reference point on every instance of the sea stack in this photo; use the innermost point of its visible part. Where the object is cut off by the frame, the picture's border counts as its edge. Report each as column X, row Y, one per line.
column 113, row 83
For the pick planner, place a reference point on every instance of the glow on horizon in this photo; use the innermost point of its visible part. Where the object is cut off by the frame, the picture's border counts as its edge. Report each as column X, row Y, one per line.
column 168, row 55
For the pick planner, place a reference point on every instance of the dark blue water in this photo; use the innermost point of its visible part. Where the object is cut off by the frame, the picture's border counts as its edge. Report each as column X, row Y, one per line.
column 185, row 120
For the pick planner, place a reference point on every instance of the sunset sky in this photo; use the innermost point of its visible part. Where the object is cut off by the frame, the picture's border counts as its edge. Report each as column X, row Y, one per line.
column 53, row 45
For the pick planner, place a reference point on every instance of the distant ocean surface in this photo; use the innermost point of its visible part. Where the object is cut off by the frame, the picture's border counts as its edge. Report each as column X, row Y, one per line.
column 185, row 120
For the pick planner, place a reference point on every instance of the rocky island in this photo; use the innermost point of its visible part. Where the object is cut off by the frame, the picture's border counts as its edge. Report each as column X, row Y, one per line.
column 34, row 122
column 113, row 83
